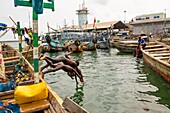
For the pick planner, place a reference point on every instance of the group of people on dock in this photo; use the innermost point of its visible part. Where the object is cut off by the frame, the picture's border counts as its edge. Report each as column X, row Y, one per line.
column 69, row 66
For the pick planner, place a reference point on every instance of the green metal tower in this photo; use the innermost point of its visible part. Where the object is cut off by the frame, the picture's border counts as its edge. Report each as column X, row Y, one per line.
column 28, row 3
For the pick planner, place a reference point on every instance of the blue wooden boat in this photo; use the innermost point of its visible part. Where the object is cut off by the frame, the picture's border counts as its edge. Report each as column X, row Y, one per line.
column 54, row 44
column 87, row 46
column 103, row 44
column 103, row 41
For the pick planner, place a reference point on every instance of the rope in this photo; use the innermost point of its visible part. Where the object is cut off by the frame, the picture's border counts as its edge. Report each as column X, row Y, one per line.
column 6, row 110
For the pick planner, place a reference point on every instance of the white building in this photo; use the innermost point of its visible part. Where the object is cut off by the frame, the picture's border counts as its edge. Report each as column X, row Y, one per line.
column 150, row 23
column 82, row 15
column 150, row 16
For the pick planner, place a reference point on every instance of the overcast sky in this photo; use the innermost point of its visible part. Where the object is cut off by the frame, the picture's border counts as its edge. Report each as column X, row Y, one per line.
column 103, row 10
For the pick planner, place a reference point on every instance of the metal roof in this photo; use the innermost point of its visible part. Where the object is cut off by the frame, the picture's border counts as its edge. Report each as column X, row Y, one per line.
column 105, row 25
column 98, row 26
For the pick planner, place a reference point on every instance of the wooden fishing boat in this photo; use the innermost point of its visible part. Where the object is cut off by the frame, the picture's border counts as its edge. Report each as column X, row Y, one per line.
column 103, row 44
column 157, row 56
column 87, row 46
column 53, row 45
column 74, row 47
column 126, row 46
column 42, row 98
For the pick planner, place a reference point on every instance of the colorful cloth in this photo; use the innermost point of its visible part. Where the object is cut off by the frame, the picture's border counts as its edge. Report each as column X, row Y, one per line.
column 142, row 41
column 2, row 26
column 11, row 108
column 7, row 86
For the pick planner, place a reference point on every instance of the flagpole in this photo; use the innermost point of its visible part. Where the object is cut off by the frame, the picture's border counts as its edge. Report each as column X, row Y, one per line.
column 20, row 41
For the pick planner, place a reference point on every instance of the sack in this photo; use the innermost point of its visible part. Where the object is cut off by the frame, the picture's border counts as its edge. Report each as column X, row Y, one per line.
column 30, row 93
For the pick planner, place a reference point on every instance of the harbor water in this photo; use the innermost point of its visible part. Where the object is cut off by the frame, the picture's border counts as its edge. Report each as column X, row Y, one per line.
column 114, row 83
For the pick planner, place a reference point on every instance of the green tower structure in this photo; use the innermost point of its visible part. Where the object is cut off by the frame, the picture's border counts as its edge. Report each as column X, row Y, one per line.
column 49, row 5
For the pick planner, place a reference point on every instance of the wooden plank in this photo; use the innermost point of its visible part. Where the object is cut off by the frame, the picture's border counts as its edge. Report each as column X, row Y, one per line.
column 8, row 68
column 34, row 106
column 11, row 100
column 6, row 93
column 10, row 58
column 153, row 46
column 159, row 52
column 47, row 111
column 8, row 72
column 55, row 101
column 51, row 109
column 11, row 61
column 7, row 96
column 156, row 49
column 161, row 58
column 163, row 54
column 73, row 107
column 8, row 51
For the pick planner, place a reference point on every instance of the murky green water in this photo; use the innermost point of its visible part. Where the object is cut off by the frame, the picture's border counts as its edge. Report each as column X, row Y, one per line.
column 114, row 83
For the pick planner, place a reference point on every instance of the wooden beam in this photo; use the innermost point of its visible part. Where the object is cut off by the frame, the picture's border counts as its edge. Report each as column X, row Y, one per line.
column 156, row 49
column 153, row 46
column 34, row 106
column 11, row 61
column 73, row 107
column 6, row 93
column 9, row 58
column 163, row 54
column 161, row 58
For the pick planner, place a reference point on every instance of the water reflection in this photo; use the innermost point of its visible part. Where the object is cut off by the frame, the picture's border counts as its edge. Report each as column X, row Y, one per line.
column 78, row 95
column 163, row 86
column 105, row 51
column 153, row 79
column 122, row 53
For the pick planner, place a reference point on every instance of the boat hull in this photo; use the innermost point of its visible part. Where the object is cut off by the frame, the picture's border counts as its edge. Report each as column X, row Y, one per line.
column 74, row 49
column 88, row 46
column 158, row 62
column 126, row 46
column 103, row 45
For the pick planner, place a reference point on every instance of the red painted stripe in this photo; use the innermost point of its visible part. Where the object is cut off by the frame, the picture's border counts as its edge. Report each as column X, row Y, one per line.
column 159, row 72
